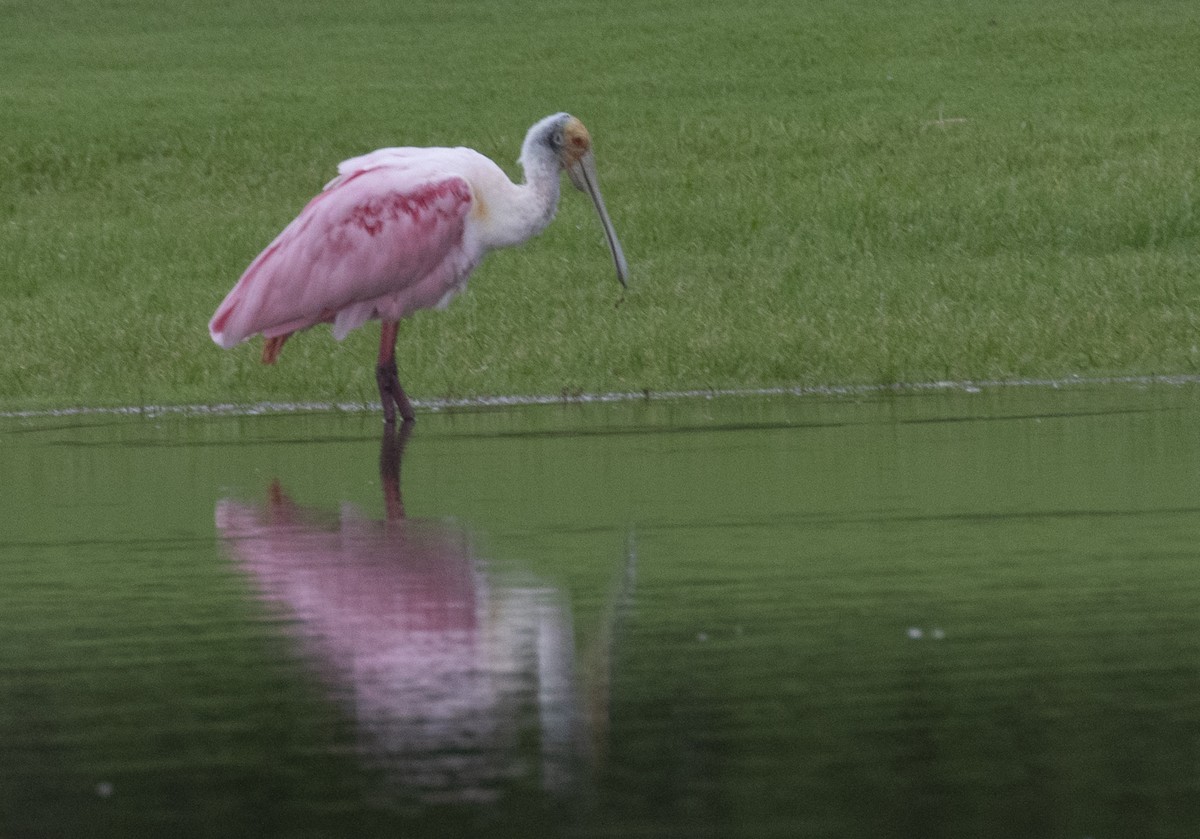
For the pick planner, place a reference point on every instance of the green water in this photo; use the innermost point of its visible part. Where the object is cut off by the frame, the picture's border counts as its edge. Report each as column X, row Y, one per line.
column 924, row 615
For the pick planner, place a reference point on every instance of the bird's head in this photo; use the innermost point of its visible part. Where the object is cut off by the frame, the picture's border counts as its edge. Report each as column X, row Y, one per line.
column 566, row 138
column 571, row 143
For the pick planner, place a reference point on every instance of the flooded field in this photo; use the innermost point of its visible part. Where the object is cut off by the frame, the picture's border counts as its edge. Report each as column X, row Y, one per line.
column 895, row 615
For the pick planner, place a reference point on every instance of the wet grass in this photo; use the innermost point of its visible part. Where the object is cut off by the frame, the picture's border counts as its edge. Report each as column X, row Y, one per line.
column 808, row 193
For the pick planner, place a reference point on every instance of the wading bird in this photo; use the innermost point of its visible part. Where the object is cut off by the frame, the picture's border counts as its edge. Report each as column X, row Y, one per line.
column 400, row 230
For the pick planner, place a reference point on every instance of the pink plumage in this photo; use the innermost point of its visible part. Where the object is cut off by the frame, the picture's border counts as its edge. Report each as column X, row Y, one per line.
column 401, row 230
column 377, row 243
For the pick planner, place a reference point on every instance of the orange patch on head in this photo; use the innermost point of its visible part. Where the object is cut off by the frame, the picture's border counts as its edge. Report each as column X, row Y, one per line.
column 576, row 140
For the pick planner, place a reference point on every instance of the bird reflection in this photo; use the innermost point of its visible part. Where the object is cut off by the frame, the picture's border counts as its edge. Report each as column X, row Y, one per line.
column 460, row 681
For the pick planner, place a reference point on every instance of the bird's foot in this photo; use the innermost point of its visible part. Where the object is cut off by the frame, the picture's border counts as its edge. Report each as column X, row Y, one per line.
column 392, row 395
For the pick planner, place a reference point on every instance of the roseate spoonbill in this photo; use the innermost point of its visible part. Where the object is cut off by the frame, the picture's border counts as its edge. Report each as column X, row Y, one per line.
column 399, row 230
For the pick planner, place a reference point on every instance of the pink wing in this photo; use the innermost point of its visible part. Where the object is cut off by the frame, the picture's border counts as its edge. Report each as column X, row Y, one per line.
column 387, row 237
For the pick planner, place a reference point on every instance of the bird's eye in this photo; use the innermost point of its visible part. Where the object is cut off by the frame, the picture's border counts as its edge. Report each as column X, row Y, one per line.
column 556, row 139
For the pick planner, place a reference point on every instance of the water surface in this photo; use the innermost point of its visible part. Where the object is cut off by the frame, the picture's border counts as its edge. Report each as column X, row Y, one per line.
column 886, row 615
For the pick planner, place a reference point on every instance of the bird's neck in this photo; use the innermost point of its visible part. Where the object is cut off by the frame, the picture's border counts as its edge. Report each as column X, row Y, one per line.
column 540, row 192
column 516, row 212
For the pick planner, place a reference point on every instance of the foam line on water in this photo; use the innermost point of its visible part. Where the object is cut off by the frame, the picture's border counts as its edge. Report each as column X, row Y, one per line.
column 434, row 405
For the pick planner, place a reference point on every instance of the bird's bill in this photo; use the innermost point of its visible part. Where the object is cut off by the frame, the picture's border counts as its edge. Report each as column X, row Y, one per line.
column 582, row 173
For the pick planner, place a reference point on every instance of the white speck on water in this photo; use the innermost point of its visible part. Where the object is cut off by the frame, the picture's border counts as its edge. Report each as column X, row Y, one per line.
column 104, row 789
column 916, row 633
column 938, row 634
column 701, row 637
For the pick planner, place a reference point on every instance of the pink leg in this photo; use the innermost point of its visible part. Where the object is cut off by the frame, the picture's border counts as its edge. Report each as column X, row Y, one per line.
column 390, row 393
column 391, row 450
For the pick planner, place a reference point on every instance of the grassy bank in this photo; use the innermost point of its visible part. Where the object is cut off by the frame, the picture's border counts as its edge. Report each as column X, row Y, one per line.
column 808, row 193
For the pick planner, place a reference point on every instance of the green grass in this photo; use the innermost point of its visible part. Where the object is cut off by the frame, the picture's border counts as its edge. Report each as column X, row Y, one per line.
column 808, row 193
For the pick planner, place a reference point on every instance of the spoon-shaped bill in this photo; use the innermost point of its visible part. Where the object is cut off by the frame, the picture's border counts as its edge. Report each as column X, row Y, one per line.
column 583, row 174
